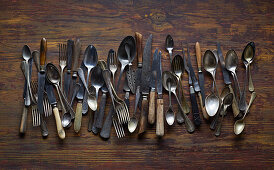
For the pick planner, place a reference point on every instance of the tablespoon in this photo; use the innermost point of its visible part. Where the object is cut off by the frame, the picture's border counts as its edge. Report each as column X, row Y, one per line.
column 248, row 57
column 97, row 79
column 170, row 114
column 173, row 85
column 90, row 61
column 169, row 46
column 53, row 77
column 239, row 125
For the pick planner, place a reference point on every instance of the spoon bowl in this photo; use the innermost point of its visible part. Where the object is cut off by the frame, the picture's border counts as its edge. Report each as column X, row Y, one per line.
column 231, row 61
column 97, row 79
column 212, row 104
column 26, row 53
column 210, row 62
column 249, row 52
column 132, row 124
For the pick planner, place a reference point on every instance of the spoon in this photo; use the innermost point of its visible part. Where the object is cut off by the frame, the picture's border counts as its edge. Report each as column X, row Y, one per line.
column 53, row 77
column 173, row 85
column 226, row 103
column 97, row 80
column 90, row 61
column 240, row 124
column 247, row 57
column 217, row 60
column 170, row 114
column 231, row 62
column 169, row 46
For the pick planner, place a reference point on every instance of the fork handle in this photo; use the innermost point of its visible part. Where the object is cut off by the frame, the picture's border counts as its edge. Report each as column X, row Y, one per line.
column 151, row 110
column 160, row 129
column 144, row 113
column 23, row 123
column 60, row 129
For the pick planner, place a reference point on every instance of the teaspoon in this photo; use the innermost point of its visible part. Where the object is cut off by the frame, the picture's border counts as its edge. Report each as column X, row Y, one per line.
column 247, row 57
column 97, row 80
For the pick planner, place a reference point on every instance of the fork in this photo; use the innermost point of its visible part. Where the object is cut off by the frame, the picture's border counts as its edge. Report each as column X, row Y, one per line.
column 112, row 63
column 62, row 60
column 118, row 127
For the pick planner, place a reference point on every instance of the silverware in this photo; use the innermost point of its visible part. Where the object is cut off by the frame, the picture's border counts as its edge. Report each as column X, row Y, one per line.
column 160, row 129
column 91, row 124
column 130, row 48
column 127, row 90
column 169, row 46
column 239, row 125
column 90, row 61
column 52, row 100
column 77, row 86
column 227, row 81
column 62, row 61
column 97, row 80
column 78, row 113
column 151, row 106
column 248, row 57
column 170, row 114
column 173, row 82
column 100, row 117
column 118, row 127
column 145, row 79
column 69, row 65
column 112, row 63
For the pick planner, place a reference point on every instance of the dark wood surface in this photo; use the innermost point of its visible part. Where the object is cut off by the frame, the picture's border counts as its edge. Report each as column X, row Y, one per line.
column 104, row 24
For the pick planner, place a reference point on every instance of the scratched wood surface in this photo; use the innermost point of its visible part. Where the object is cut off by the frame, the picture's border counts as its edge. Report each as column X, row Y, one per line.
column 104, row 24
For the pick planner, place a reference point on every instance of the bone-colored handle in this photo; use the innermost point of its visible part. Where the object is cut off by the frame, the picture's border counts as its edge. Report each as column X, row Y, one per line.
column 78, row 117
column 139, row 39
column 23, row 124
column 60, row 130
column 205, row 115
column 160, row 128
column 235, row 107
column 151, row 109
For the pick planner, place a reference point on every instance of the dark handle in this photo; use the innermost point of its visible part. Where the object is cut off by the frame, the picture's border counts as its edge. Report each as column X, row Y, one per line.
column 94, row 129
column 36, row 57
column 144, row 113
column 69, row 53
column 127, row 102
column 43, row 53
column 90, row 123
column 105, row 132
column 43, row 126
column 100, row 118
column 76, row 54
column 195, row 109
column 139, row 39
column 23, row 123
column 213, row 124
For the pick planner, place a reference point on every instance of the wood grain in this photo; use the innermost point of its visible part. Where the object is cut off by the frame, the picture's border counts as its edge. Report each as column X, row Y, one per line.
column 104, row 24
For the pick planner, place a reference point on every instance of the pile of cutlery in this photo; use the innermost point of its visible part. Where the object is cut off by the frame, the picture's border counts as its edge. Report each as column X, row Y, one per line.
column 144, row 82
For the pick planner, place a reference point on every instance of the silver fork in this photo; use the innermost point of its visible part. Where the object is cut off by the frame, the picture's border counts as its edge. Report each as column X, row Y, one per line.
column 62, row 60
column 47, row 107
column 36, row 117
column 118, row 127
column 112, row 63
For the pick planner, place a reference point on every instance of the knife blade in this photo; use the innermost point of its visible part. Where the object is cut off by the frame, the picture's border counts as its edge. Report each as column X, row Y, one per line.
column 69, row 64
column 53, row 103
column 160, row 104
column 151, row 112
column 227, row 81
column 145, row 79
column 41, row 75
column 200, row 72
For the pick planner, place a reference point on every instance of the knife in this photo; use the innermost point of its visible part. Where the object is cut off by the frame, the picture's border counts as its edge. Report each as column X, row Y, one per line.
column 41, row 74
column 227, row 81
column 76, row 55
column 69, row 64
column 191, row 75
column 160, row 104
column 145, row 79
column 78, row 114
column 53, row 103
column 151, row 109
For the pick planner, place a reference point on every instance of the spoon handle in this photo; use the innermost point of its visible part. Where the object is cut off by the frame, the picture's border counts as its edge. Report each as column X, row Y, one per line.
column 250, row 85
column 179, row 116
column 215, row 120
column 160, row 128
column 235, row 107
column 252, row 98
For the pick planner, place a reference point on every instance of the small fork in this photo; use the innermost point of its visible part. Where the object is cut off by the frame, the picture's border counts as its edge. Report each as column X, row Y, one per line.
column 62, row 60
column 36, row 117
column 118, row 127
column 112, row 63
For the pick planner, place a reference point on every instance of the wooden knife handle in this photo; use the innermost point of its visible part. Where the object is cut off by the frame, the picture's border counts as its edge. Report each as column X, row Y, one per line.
column 160, row 128
column 235, row 107
column 78, row 117
column 139, row 39
column 60, row 130
column 205, row 115
column 23, row 123
column 151, row 109
column 43, row 51
column 198, row 55
column 143, row 119
column 76, row 54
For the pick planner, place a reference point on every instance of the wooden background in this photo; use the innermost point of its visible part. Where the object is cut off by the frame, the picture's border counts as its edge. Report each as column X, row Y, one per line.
column 104, row 24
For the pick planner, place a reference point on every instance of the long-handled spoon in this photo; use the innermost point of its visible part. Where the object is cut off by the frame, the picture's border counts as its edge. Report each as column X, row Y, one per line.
column 170, row 114
column 248, row 57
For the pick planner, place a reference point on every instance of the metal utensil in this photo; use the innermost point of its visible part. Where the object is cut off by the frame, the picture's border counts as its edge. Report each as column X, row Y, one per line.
column 97, row 80
column 169, row 46
column 173, row 85
column 239, row 125
column 170, row 114
column 130, row 48
column 69, row 65
column 90, row 61
column 62, row 61
column 248, row 57
column 160, row 129
column 78, row 113
column 100, row 117
column 112, row 63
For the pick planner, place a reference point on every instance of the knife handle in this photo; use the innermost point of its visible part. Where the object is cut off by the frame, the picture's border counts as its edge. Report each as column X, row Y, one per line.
column 23, row 123
column 160, row 128
column 198, row 55
column 69, row 54
column 60, row 130
column 105, row 131
column 143, row 119
column 139, row 39
column 195, row 109
column 43, row 126
column 205, row 115
column 43, row 53
column 76, row 54
column 235, row 106
column 151, row 109
column 78, row 117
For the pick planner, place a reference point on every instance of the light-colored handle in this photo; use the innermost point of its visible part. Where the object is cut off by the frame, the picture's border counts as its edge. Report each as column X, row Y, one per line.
column 235, row 107
column 23, row 124
column 160, row 126
column 205, row 115
column 78, row 117
column 198, row 55
column 60, row 130
column 151, row 109
column 250, row 83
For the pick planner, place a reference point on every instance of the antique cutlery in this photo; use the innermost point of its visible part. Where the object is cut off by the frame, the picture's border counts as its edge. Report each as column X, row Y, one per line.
column 78, row 113
column 62, row 61
column 170, row 114
column 96, row 78
column 160, row 129
column 248, row 57
column 69, row 65
column 100, row 117
column 169, row 46
column 130, row 48
column 112, row 63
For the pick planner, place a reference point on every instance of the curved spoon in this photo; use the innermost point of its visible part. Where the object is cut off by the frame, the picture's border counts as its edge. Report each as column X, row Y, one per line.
column 169, row 46
column 248, row 57
column 239, row 125
column 97, row 79
column 26, row 54
column 170, row 114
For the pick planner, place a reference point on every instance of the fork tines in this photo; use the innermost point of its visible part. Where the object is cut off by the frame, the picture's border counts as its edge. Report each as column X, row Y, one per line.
column 122, row 113
column 118, row 128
